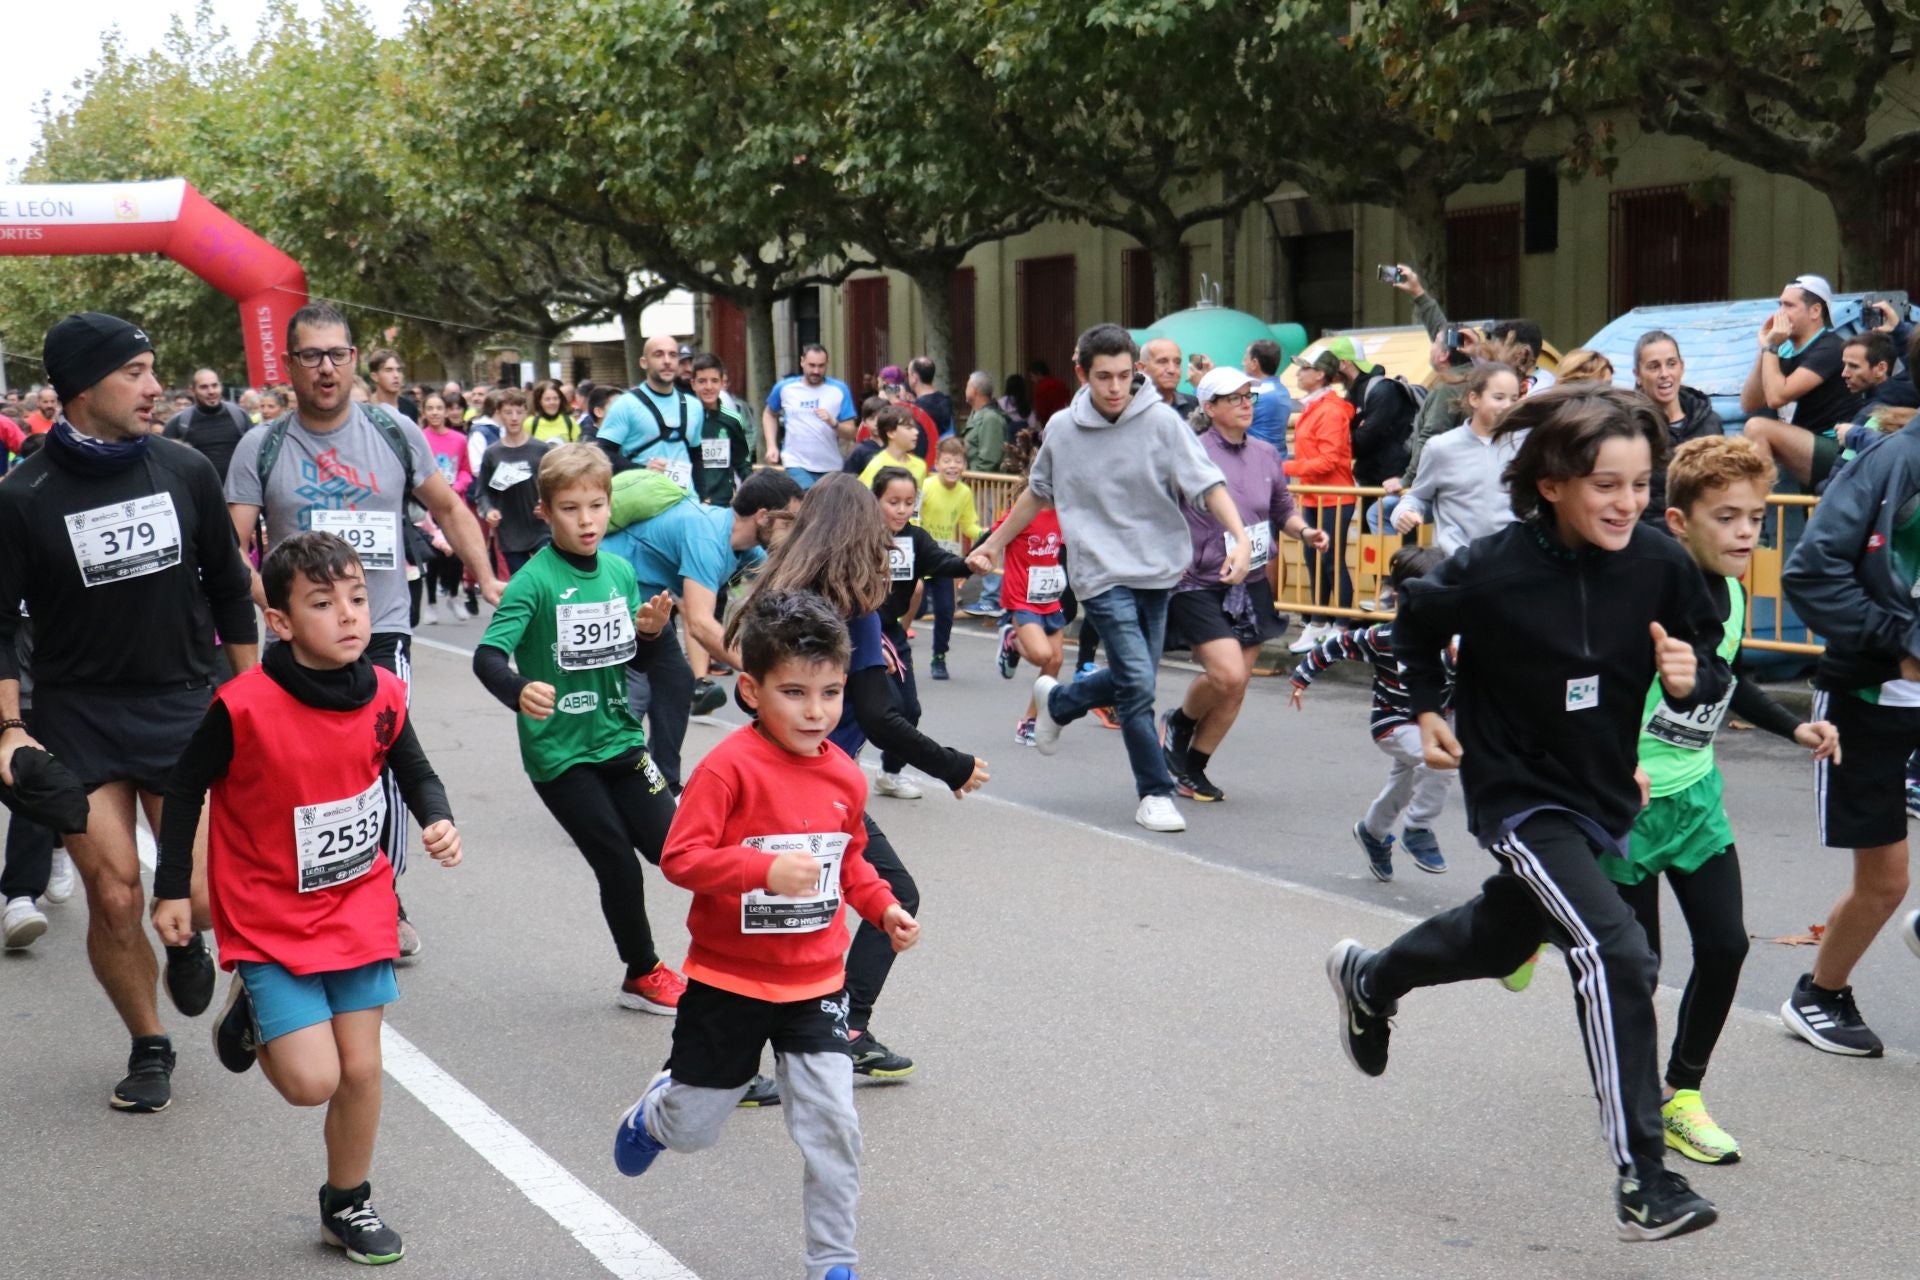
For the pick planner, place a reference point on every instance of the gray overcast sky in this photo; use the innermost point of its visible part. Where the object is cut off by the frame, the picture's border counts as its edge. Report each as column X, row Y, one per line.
column 53, row 44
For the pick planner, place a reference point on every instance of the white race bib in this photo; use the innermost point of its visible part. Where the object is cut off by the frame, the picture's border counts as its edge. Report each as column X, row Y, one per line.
column 1046, row 583
column 509, row 474
column 338, row 841
column 595, row 635
column 763, row 912
column 1689, row 730
column 374, row 535
column 1260, row 536
column 125, row 539
column 680, row 471
column 716, row 452
column 900, row 560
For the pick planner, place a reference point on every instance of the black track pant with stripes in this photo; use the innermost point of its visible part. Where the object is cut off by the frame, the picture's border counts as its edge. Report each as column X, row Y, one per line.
column 1550, row 886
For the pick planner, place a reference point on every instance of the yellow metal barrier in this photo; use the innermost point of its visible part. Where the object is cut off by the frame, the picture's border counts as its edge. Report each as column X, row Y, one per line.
column 1366, row 555
column 993, row 493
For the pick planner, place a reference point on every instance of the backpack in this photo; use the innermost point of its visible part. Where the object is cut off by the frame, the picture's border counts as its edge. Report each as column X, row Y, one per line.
column 1414, row 391
column 641, row 494
column 389, row 430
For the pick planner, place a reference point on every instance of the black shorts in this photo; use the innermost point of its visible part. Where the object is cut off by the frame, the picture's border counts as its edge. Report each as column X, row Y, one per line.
column 119, row 737
column 718, row 1036
column 1200, row 616
column 1861, row 803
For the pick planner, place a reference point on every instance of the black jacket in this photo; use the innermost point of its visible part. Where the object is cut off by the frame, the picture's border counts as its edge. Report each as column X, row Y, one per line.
column 930, row 560
column 1849, row 577
column 1700, row 420
column 1556, row 657
column 1382, row 427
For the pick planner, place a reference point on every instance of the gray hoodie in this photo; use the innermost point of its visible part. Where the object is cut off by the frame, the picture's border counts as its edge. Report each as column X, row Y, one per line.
column 1118, row 487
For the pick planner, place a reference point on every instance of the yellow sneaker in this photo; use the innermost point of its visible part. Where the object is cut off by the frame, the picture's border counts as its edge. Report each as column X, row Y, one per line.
column 1692, row 1132
column 1520, row 978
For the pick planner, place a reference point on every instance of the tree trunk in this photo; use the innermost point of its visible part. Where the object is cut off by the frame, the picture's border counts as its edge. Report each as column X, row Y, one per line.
column 1230, row 258
column 760, row 377
column 453, row 347
column 632, row 341
column 935, row 283
column 1167, row 261
column 1859, row 209
column 1423, row 206
column 542, row 349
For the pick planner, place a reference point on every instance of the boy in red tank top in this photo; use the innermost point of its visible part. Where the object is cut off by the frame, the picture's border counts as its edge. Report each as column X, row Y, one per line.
column 300, row 890
column 770, row 839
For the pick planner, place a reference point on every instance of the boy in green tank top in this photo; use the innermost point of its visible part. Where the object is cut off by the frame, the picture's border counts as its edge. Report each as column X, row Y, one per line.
column 1717, row 489
column 571, row 620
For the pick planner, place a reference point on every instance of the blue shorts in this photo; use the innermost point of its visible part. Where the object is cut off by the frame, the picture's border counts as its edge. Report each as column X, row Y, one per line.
column 1049, row 622
column 284, row 1002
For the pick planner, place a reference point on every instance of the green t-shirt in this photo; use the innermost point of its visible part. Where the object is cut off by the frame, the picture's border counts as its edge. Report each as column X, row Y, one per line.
column 1676, row 747
column 573, row 630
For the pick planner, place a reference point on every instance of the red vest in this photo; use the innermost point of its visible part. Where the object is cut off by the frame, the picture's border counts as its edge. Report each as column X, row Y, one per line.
column 295, row 872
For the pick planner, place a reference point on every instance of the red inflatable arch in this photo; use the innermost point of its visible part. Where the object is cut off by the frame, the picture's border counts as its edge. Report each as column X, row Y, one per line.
column 172, row 218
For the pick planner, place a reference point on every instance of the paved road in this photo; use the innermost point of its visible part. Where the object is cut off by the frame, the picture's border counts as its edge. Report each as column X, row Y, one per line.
column 1128, row 1059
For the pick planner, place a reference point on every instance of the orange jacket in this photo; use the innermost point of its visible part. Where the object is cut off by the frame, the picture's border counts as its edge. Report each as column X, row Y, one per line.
column 1323, row 449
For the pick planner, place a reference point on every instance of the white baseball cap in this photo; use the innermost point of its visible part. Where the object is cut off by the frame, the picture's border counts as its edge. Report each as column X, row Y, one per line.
column 1818, row 287
column 1221, row 381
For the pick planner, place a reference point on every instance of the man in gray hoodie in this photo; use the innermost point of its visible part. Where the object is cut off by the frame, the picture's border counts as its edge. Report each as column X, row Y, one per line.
column 1117, row 463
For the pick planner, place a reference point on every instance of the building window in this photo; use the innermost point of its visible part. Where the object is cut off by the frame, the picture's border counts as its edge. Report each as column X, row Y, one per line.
column 1902, row 214
column 1670, row 245
column 1136, row 286
column 806, row 319
column 1044, row 303
column 1483, row 263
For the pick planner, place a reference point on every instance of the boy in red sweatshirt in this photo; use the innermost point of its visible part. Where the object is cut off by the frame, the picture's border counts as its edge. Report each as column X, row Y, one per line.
column 769, row 839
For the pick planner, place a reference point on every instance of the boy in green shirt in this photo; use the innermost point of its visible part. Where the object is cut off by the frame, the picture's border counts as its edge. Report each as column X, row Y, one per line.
column 572, row 621
column 1717, row 490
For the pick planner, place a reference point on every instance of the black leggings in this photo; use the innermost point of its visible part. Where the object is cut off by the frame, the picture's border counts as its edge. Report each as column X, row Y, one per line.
column 870, row 958
column 1710, row 899
column 611, row 809
column 443, row 578
column 29, row 862
column 906, row 691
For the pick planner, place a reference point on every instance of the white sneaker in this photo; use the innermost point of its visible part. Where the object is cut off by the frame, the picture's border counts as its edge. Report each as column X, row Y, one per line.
column 1310, row 637
column 430, row 614
column 892, row 784
column 1910, row 930
column 1158, row 813
column 1046, row 730
column 64, row 880
column 22, row 923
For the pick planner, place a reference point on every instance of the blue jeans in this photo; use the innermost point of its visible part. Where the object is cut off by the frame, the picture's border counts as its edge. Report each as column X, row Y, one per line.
column 1133, row 623
column 1380, row 514
column 940, row 594
column 806, row 479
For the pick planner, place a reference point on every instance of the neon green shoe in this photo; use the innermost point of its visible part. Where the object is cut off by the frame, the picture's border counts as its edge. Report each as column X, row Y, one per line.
column 1520, row 978
column 1692, row 1132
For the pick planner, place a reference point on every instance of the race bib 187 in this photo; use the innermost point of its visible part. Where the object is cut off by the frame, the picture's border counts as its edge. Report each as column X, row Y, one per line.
column 125, row 539
column 374, row 535
column 1689, row 730
column 338, row 841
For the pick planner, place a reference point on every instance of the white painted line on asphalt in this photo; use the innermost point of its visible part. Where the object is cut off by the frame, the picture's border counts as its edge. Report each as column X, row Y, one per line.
column 622, row 1248
column 443, row 646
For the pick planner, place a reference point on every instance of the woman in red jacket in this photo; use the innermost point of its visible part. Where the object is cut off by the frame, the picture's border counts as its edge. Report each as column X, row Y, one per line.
column 1323, row 455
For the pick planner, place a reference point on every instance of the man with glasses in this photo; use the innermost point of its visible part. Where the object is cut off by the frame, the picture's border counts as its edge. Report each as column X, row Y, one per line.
column 210, row 426
column 339, row 467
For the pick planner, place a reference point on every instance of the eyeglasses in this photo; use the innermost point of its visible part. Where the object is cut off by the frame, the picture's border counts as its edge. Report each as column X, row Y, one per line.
column 1235, row 400
column 310, row 357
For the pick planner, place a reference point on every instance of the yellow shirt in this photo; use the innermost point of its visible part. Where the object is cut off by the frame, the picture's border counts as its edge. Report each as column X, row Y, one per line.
column 917, row 466
column 560, row 430
column 946, row 513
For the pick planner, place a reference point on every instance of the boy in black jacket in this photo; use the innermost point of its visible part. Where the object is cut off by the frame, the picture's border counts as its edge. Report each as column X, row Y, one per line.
column 1852, row 580
column 1565, row 619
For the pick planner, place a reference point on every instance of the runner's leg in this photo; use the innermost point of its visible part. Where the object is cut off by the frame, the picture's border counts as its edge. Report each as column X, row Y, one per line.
column 1402, row 746
column 870, row 959
column 582, row 802
column 1213, row 699
column 108, row 860
column 1711, row 900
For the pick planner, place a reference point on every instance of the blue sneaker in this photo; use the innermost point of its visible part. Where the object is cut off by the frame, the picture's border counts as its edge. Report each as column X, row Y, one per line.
column 1423, row 849
column 982, row 608
column 939, row 666
column 633, row 1146
column 1085, row 669
column 1379, row 852
column 842, row 1273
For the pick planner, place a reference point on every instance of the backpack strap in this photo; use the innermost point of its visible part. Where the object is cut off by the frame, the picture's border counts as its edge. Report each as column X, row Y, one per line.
column 383, row 421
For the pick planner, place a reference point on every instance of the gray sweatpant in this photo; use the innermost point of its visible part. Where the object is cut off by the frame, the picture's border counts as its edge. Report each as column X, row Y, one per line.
column 1411, row 785
column 816, row 1094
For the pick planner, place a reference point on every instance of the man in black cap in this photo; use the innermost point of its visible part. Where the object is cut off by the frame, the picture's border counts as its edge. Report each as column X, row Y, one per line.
column 120, row 547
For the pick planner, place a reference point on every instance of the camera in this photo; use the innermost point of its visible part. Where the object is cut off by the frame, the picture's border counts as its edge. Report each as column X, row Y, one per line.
column 1870, row 303
column 1391, row 275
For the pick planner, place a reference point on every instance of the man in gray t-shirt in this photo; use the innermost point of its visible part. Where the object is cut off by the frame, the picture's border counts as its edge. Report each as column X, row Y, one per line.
column 335, row 470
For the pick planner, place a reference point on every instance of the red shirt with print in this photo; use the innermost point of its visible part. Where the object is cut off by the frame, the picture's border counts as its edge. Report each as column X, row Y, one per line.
column 1035, row 579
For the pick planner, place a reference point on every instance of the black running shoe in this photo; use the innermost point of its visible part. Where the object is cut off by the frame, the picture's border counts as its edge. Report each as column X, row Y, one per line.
column 871, row 1058
column 1661, row 1207
column 234, row 1041
column 189, row 977
column 1829, row 1020
column 149, row 1083
column 1195, row 785
column 763, row 1091
column 1174, row 744
column 1363, row 1031
column 348, row 1221
column 708, row 697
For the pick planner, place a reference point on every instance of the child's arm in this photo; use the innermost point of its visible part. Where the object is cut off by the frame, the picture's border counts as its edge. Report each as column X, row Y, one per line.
column 1686, row 638
column 490, row 666
column 969, row 514
column 203, row 763
column 483, row 496
column 1433, row 610
column 695, row 859
column 426, row 798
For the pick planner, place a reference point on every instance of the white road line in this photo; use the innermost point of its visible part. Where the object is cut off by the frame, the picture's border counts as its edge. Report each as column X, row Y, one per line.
column 421, row 642
column 621, row 1247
